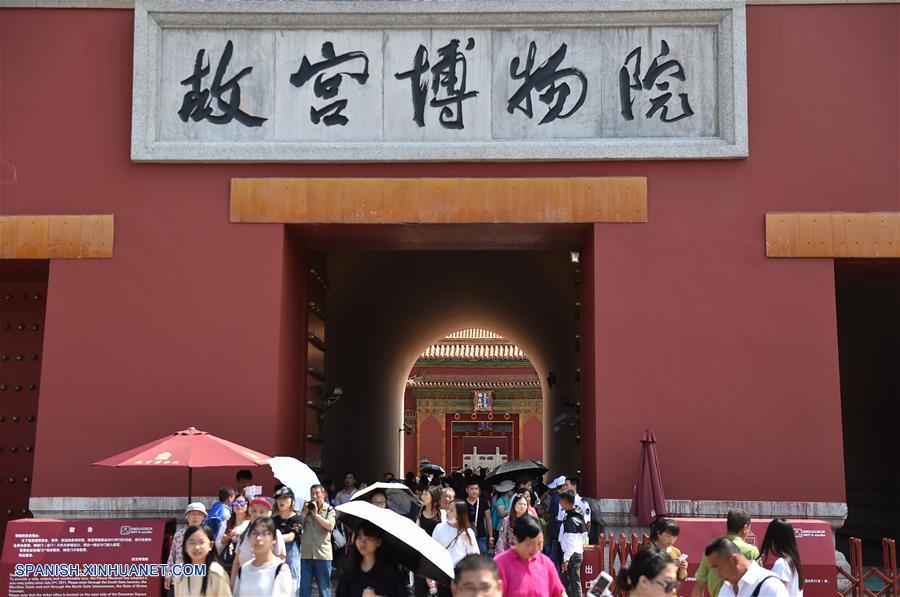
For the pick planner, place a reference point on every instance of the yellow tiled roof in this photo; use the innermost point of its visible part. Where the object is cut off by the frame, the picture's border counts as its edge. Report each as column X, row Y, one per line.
column 474, row 344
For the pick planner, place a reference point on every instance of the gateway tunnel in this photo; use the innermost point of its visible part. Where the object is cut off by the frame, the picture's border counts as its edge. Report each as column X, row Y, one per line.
column 384, row 308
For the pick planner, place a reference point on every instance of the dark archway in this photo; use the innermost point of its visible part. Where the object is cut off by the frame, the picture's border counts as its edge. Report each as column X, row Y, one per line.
column 385, row 306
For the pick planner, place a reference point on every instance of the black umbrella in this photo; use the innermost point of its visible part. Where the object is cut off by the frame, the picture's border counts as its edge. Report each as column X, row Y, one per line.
column 408, row 544
column 433, row 469
column 400, row 498
column 515, row 469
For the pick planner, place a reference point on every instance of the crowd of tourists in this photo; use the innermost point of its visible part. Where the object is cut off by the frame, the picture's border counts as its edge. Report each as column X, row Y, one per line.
column 518, row 538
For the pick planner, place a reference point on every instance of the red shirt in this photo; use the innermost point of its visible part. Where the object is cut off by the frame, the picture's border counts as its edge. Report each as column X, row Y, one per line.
column 534, row 578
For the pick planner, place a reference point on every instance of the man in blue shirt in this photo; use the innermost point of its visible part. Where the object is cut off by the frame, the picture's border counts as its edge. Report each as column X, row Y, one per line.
column 221, row 510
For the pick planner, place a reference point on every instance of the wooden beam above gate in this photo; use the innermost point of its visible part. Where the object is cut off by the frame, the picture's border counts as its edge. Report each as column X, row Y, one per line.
column 841, row 235
column 438, row 200
column 56, row 237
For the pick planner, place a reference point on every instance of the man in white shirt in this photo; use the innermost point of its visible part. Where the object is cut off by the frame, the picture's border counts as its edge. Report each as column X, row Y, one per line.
column 572, row 537
column 571, row 485
column 743, row 577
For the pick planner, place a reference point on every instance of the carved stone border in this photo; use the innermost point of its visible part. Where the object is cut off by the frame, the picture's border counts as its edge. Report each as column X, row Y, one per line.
column 727, row 15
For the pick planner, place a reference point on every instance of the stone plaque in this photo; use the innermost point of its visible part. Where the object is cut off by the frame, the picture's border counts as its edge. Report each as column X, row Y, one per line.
column 282, row 80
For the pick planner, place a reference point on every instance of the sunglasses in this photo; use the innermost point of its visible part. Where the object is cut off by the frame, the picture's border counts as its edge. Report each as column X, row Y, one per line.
column 239, row 503
column 668, row 585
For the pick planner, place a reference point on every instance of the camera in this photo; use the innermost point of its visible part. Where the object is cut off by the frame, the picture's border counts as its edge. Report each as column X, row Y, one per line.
column 311, row 506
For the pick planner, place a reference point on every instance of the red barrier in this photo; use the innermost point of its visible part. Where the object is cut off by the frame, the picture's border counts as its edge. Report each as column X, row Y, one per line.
column 857, row 575
column 591, row 565
column 814, row 541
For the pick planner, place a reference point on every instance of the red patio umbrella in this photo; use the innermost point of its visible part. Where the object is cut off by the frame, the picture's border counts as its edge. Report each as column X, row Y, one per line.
column 649, row 503
column 190, row 448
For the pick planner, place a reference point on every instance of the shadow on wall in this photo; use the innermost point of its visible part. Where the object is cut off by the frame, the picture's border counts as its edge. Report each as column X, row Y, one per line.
column 385, row 308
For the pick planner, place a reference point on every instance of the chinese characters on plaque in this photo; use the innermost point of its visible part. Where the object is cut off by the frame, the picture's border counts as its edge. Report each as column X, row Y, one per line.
column 438, row 85
column 483, row 401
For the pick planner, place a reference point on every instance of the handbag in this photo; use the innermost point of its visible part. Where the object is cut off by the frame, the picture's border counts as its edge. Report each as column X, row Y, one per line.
column 226, row 558
column 338, row 538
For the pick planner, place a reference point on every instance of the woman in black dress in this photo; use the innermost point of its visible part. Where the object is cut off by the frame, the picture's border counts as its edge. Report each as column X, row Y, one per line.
column 367, row 571
column 429, row 517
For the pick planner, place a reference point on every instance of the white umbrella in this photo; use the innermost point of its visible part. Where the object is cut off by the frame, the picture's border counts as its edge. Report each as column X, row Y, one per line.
column 409, row 545
column 400, row 498
column 295, row 474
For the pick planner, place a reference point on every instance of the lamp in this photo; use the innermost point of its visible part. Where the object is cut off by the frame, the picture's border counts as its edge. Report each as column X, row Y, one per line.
column 330, row 399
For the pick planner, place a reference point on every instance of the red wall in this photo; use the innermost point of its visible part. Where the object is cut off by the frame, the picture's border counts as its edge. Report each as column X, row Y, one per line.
column 730, row 357
column 533, row 436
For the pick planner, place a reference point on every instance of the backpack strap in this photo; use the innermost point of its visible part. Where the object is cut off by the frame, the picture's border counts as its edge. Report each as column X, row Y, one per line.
column 277, row 570
column 759, row 585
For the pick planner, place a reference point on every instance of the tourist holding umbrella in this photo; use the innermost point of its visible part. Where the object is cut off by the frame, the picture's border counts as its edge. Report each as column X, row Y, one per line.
column 405, row 543
column 368, row 571
column 289, row 523
column 398, row 497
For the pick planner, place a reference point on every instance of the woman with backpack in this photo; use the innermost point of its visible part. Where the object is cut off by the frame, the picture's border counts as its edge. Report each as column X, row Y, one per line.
column 259, row 508
column 266, row 574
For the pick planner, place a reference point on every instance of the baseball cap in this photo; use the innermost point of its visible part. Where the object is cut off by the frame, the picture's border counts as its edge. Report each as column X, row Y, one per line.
column 284, row 492
column 557, row 482
column 195, row 507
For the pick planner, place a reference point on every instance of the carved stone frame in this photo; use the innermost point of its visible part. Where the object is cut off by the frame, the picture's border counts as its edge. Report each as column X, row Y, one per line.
column 728, row 16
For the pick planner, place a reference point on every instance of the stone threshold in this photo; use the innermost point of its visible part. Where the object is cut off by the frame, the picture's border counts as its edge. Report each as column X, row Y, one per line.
column 129, row 4
column 615, row 512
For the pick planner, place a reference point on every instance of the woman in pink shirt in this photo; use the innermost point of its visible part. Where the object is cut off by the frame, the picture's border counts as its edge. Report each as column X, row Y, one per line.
column 524, row 570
